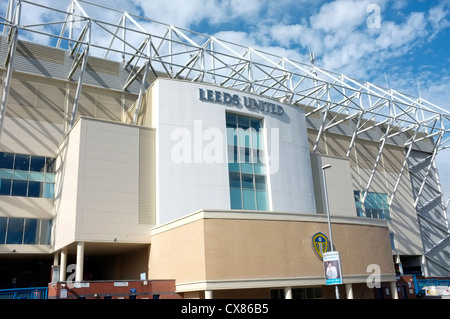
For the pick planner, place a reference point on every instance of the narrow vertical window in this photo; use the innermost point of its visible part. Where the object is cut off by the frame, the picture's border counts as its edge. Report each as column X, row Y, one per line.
column 247, row 172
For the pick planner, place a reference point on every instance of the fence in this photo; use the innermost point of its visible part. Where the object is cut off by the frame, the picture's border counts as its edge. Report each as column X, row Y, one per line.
column 24, row 293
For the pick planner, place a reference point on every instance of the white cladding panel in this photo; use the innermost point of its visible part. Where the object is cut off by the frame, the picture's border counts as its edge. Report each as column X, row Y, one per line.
column 98, row 185
column 192, row 167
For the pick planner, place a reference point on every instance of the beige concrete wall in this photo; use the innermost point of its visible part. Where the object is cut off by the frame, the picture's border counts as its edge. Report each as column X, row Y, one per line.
column 271, row 249
column 353, row 173
column 241, row 250
column 179, row 253
column 339, row 186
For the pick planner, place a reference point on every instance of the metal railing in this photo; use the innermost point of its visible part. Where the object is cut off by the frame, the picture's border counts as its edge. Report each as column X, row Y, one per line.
column 24, row 293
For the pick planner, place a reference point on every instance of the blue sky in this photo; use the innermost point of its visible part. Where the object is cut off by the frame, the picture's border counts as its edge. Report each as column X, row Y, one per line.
column 407, row 50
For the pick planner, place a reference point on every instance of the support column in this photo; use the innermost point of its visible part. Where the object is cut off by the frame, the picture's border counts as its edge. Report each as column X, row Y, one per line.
column 288, row 292
column 80, row 262
column 349, row 290
column 63, row 265
column 208, row 294
column 394, row 290
column 55, row 259
column 398, row 261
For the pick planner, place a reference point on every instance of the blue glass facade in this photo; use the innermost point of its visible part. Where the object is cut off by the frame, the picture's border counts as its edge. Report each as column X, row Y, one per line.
column 25, row 231
column 27, row 175
column 376, row 205
column 246, row 164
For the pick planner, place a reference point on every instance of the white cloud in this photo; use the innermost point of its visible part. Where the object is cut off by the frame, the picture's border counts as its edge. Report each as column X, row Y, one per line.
column 340, row 15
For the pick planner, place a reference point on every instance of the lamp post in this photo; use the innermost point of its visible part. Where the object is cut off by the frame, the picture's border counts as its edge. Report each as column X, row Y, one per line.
column 327, row 208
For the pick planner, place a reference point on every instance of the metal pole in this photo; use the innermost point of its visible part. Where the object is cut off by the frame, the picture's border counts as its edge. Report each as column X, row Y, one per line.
column 327, row 208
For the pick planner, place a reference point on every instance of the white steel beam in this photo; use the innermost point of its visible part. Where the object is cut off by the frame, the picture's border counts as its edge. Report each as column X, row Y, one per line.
column 9, row 63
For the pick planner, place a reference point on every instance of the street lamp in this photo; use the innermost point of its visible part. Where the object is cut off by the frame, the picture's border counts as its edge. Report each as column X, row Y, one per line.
column 327, row 208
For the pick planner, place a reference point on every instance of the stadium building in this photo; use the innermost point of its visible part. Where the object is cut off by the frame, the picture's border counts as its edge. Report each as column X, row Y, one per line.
column 168, row 164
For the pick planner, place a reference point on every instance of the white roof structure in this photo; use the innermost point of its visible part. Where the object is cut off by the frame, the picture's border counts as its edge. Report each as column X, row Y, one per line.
column 146, row 46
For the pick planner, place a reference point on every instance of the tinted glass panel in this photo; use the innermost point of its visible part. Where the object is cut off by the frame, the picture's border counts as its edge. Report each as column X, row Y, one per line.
column 247, row 181
column 249, row 200
column 243, row 122
column 31, row 235
column 20, row 173
column 50, row 165
column 22, row 162
column 46, row 226
column 48, row 190
column 231, row 120
column 260, row 182
column 19, row 188
column 236, row 200
column 15, row 231
column 3, row 224
column 262, row 200
column 235, row 179
column 37, row 164
column 6, row 160
column 5, row 187
column 375, row 205
column 34, row 189
column 246, row 163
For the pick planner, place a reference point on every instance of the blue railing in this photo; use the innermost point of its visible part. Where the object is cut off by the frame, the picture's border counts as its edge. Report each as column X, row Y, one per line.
column 421, row 284
column 24, row 293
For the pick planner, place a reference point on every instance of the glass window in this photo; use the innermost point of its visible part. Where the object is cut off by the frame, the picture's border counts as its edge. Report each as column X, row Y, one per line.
column 22, row 162
column 236, row 199
column 24, row 175
column 392, row 239
column 50, row 165
column 34, row 189
column 247, row 168
column 243, row 122
column 37, row 164
column 231, row 120
column 48, row 190
column 247, row 181
column 3, row 224
column 260, row 182
column 6, row 173
column 248, row 189
column 6, row 160
column 244, row 138
column 31, row 234
column 5, row 187
column 235, row 179
column 248, row 197
column 46, row 227
column 14, row 234
column 262, row 200
column 376, row 205
column 26, row 231
column 19, row 188
column 256, row 124
column 259, row 169
column 37, row 176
